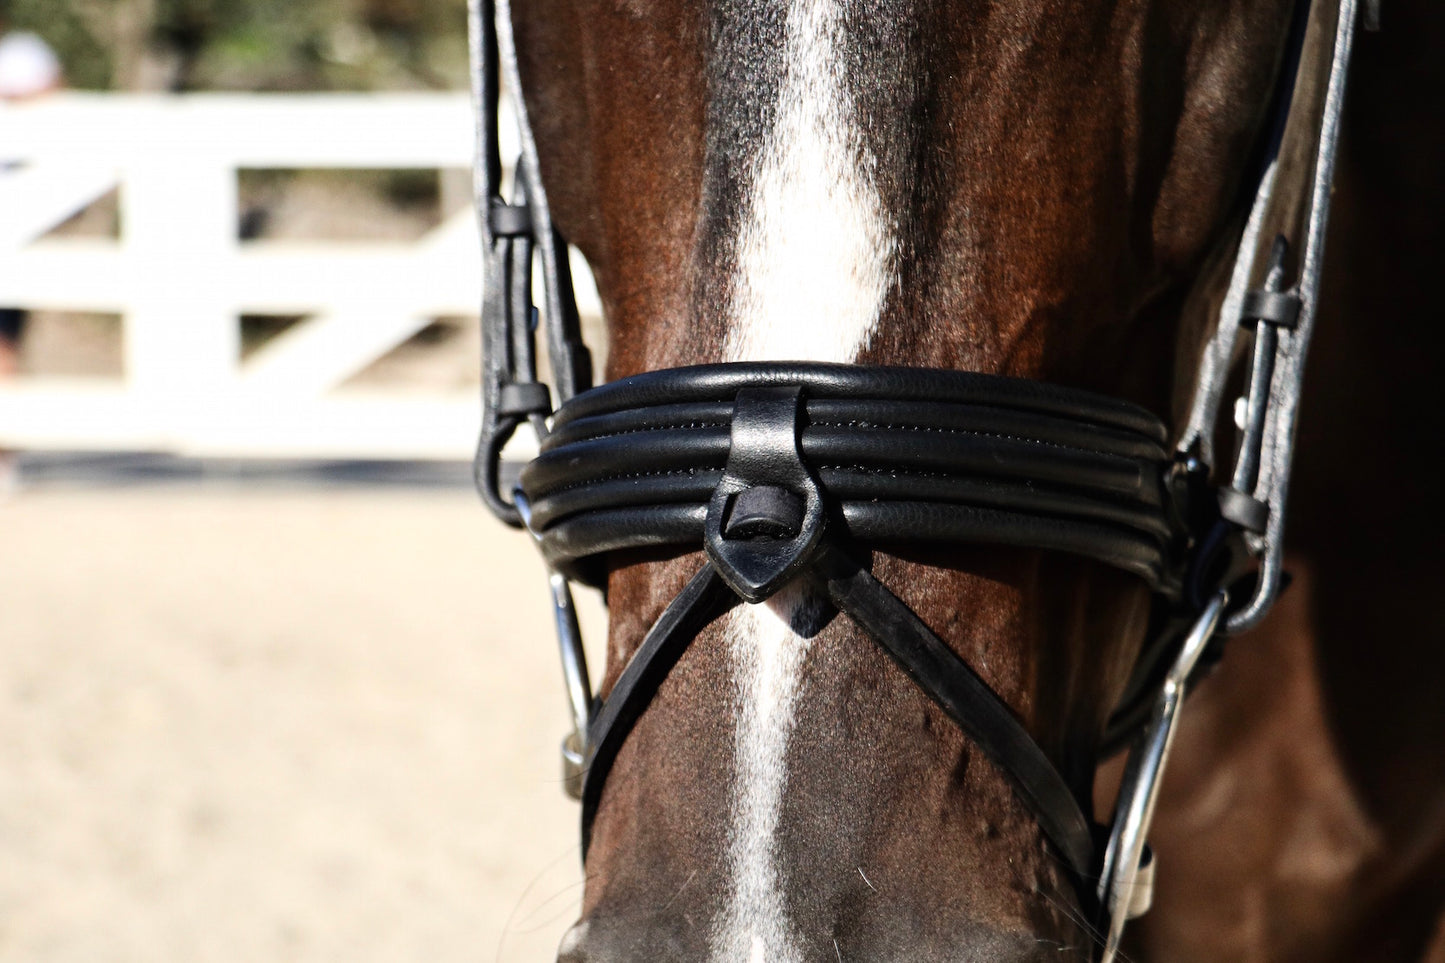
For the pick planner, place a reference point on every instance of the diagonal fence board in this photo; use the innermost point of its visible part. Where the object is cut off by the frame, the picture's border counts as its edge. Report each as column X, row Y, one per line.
column 36, row 197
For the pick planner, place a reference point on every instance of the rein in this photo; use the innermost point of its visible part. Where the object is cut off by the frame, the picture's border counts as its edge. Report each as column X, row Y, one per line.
column 787, row 471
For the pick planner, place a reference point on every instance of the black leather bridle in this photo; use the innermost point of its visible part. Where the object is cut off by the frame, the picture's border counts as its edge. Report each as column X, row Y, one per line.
column 788, row 471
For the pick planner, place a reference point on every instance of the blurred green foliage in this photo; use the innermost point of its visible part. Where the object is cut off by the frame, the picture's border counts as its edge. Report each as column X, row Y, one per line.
column 267, row 45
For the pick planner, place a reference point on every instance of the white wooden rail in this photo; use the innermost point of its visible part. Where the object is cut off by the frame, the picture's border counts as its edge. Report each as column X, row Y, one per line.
column 180, row 278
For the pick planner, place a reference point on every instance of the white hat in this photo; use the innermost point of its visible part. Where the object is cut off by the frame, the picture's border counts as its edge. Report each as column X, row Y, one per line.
column 27, row 66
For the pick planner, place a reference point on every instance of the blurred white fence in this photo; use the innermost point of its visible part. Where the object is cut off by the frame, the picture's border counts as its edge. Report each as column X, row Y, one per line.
column 180, row 278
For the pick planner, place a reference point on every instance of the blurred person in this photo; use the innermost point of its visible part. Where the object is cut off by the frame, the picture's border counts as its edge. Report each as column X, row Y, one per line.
column 28, row 69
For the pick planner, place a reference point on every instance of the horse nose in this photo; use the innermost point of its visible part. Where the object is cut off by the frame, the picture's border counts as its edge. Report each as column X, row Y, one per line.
column 585, row 943
column 609, row 939
column 572, row 949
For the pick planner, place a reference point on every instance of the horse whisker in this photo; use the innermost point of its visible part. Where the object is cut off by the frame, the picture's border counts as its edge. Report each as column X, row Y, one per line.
column 685, row 884
column 569, row 907
column 522, row 898
column 1073, row 915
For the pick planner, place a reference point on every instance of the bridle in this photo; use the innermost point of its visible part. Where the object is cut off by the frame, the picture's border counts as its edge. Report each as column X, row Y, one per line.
column 787, row 471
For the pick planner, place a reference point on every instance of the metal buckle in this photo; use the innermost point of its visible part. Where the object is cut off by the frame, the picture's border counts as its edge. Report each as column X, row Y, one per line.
column 574, row 665
column 1126, row 885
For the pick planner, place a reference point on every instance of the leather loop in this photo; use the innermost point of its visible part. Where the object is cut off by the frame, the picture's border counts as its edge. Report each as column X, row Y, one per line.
column 487, row 470
column 524, row 398
column 1247, row 512
column 509, row 220
column 763, row 455
column 764, row 512
column 1277, row 307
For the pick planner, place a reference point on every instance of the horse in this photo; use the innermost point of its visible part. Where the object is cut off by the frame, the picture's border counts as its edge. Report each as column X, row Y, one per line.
column 1040, row 191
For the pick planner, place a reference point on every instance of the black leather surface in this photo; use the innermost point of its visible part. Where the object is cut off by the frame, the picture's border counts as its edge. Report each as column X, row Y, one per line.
column 721, row 382
column 763, row 456
column 900, row 454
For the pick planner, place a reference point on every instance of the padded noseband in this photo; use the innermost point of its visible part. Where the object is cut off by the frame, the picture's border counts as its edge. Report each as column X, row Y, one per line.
column 902, row 455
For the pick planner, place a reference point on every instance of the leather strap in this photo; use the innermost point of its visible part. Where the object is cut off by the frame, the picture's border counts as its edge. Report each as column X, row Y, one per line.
column 1303, row 145
column 511, row 234
column 703, row 599
column 721, row 382
column 970, row 703
column 764, row 462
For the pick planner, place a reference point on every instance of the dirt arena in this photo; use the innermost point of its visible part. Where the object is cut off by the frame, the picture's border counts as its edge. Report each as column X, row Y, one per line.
column 277, row 723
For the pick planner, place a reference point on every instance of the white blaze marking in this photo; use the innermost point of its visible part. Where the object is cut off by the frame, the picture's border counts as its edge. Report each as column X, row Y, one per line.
column 769, row 657
column 814, row 263
column 815, row 257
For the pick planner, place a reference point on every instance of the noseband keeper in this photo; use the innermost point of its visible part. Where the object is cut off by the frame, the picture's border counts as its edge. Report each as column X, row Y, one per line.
column 765, row 517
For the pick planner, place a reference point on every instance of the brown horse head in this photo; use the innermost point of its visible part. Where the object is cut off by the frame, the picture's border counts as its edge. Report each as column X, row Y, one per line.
column 1031, row 188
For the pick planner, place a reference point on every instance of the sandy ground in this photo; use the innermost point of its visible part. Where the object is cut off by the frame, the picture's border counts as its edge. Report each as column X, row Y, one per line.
column 277, row 725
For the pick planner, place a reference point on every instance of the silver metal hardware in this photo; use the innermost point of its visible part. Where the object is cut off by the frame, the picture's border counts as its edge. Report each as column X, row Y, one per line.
column 1142, row 896
column 574, row 665
column 1126, row 884
column 574, row 765
column 1310, row 138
